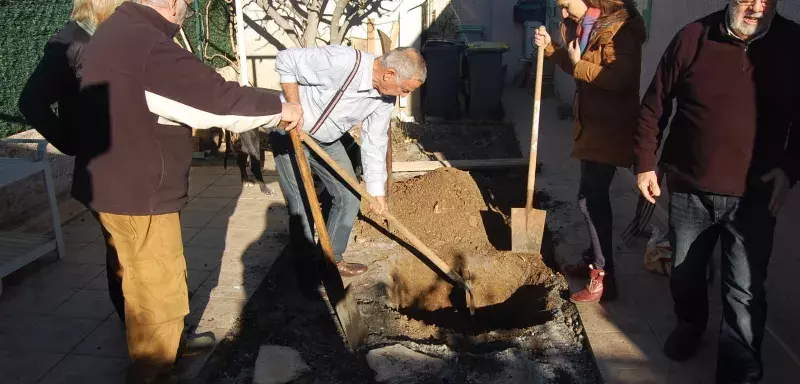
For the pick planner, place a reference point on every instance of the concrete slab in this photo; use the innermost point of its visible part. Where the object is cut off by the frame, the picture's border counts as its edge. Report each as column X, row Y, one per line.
column 77, row 369
column 107, row 340
column 26, row 367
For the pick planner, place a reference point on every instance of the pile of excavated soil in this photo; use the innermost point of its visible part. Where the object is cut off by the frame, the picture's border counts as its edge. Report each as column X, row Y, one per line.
column 447, row 211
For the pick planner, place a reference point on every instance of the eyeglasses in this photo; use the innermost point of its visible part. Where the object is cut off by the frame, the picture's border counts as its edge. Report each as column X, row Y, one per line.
column 750, row 3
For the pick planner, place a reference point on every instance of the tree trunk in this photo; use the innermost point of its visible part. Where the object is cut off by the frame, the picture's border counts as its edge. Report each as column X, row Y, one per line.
column 337, row 30
column 312, row 24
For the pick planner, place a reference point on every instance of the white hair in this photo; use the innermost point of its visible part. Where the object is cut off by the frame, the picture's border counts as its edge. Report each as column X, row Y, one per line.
column 408, row 63
column 156, row 3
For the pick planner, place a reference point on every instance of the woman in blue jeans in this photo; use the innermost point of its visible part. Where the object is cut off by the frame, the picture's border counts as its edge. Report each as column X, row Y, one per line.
column 602, row 50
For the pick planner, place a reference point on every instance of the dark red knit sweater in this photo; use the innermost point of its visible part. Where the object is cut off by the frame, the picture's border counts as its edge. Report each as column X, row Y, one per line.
column 738, row 107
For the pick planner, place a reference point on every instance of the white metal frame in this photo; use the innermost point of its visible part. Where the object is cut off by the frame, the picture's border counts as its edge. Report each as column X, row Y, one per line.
column 19, row 249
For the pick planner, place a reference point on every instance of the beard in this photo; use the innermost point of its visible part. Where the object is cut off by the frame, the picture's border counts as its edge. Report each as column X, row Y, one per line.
column 744, row 29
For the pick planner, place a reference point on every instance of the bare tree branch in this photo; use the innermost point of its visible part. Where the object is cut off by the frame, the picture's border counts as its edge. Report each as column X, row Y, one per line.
column 336, row 29
column 282, row 23
column 312, row 23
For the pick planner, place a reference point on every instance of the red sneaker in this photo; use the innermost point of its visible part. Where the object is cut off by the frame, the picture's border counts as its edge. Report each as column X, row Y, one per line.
column 593, row 290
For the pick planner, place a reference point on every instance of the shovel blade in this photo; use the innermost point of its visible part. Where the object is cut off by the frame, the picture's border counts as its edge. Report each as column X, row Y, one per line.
column 353, row 326
column 527, row 230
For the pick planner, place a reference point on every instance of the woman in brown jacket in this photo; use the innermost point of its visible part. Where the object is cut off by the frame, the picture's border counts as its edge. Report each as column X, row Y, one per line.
column 603, row 53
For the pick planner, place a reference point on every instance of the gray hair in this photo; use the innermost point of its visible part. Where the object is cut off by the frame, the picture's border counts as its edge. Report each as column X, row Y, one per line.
column 157, row 3
column 408, row 63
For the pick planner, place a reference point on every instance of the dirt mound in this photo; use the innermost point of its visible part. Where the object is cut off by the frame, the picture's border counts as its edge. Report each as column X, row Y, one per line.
column 447, row 211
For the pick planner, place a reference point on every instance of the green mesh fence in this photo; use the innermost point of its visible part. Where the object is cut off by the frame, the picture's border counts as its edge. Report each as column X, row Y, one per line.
column 26, row 25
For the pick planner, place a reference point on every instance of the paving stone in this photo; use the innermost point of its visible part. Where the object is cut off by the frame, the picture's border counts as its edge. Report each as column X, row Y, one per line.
column 196, row 219
column 231, row 238
column 55, row 334
column 11, row 326
column 611, row 318
column 33, row 300
column 221, row 191
column 87, row 304
column 195, row 278
column 99, row 283
column 231, row 285
column 214, row 204
column 397, row 363
column 628, row 351
column 76, row 369
column 26, row 367
column 278, row 365
column 214, row 312
column 634, row 376
column 208, row 170
column 90, row 253
column 187, row 234
column 81, row 233
column 202, row 258
column 108, row 340
column 66, row 275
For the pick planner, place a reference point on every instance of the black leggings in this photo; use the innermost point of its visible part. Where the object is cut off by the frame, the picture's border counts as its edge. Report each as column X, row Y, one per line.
column 595, row 205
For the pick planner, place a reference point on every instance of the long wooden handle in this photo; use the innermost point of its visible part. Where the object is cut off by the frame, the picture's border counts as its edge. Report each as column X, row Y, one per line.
column 413, row 239
column 537, row 104
column 311, row 194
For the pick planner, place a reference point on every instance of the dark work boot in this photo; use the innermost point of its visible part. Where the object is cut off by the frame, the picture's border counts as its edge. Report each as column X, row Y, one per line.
column 683, row 342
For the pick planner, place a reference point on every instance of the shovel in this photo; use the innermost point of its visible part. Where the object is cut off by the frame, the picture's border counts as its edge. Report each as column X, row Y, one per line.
column 344, row 303
column 428, row 253
column 527, row 224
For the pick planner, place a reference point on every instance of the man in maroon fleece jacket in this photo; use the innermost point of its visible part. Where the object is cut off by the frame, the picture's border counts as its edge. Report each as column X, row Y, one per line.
column 732, row 154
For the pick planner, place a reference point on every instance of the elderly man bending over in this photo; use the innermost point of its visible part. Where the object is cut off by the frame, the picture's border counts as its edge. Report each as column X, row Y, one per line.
column 312, row 77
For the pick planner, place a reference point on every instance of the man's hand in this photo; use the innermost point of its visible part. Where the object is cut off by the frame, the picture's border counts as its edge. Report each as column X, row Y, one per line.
column 380, row 207
column 574, row 50
column 648, row 186
column 541, row 38
column 780, row 188
column 291, row 116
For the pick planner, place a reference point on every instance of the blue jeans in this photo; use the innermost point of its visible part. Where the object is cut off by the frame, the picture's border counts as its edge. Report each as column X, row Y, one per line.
column 745, row 227
column 595, row 205
column 344, row 203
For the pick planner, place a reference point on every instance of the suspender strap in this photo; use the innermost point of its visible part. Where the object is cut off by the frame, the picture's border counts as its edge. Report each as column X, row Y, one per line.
column 338, row 96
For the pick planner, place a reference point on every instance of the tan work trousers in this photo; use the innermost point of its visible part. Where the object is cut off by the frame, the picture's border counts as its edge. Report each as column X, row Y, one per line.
column 153, row 271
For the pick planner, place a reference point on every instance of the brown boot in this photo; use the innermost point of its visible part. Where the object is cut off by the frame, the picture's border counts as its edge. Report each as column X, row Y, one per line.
column 594, row 290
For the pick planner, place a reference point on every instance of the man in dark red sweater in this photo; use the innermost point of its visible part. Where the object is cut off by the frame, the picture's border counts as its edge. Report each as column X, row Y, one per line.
column 732, row 154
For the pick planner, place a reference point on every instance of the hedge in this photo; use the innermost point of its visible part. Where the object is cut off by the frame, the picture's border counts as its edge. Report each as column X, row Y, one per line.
column 28, row 24
column 26, row 27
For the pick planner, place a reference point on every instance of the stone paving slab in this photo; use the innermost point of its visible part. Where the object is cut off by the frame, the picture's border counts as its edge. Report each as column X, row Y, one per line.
column 57, row 323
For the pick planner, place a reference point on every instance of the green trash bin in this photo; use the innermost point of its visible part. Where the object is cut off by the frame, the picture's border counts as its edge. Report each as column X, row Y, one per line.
column 485, row 80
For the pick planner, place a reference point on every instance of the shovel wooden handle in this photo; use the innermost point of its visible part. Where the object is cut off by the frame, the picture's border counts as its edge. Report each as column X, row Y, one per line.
column 413, row 239
column 311, row 194
column 537, row 104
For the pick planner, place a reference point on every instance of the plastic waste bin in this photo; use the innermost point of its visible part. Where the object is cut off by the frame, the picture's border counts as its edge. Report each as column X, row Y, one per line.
column 485, row 80
column 443, row 85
